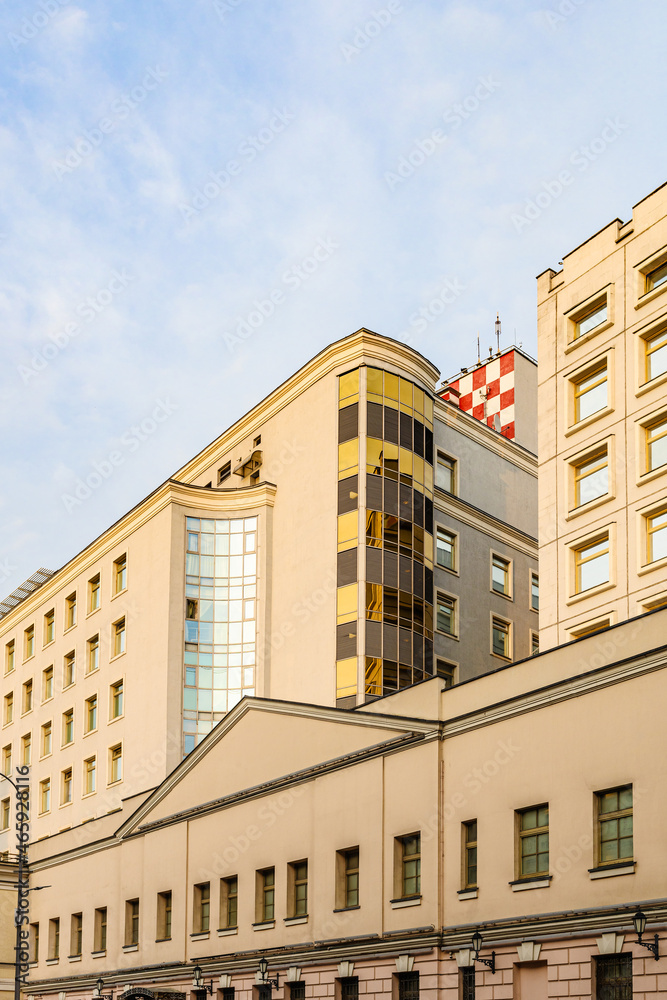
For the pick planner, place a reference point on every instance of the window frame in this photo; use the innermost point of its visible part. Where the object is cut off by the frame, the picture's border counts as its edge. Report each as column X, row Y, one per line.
column 577, row 561
column 119, row 637
column 49, row 627
column 76, row 935
column 100, row 930
column 28, row 643
column 70, row 611
column 649, row 531
column 405, row 877
column 89, row 776
column 533, row 577
column 452, row 600
column 468, row 845
column 164, row 915
column 599, row 366
column 66, row 786
column 577, row 315
column 265, row 898
column 529, row 833
column 610, row 816
column 508, row 574
column 47, row 683
column 115, row 763
column 451, row 464
column 201, row 908
column 506, row 626
column 297, row 889
column 120, row 574
column 10, row 656
column 67, row 723
column 132, row 926
column 599, row 457
column 45, row 796
column 91, row 714
column 115, row 696
column 69, row 667
column 94, row 593
column 229, row 902
column 454, row 536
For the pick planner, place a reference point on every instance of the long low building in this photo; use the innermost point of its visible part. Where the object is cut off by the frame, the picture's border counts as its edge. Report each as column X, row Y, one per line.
column 359, row 851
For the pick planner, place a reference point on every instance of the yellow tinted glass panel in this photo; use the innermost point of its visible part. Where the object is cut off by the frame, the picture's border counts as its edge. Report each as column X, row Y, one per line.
column 347, row 530
column 428, row 410
column 428, row 478
column 373, row 675
column 346, row 677
column 348, row 456
column 419, row 469
column 374, row 528
column 348, row 385
column 391, row 386
column 347, row 603
column 406, row 392
column 419, row 400
column 374, row 383
column 374, row 601
column 374, row 456
column 405, row 462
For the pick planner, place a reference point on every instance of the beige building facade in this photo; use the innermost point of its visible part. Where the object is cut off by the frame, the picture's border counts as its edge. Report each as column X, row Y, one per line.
column 602, row 334
column 293, row 558
column 359, row 850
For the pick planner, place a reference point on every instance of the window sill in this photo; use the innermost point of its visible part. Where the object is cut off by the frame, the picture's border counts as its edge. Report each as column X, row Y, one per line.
column 200, row 936
column 49, row 643
column 498, row 656
column 467, row 894
column 74, row 958
column 89, row 614
column 116, row 718
column 647, row 477
column 264, row 925
column 608, row 871
column 288, row 921
column 117, row 656
column 87, row 795
column 590, row 505
column 127, row 948
column 593, row 592
column 399, row 904
column 499, row 593
column 447, row 569
column 649, row 296
column 227, row 931
column 345, row 909
column 112, row 784
column 447, row 635
column 534, row 882
column 69, row 628
column 586, row 337
column 587, row 421
column 98, row 954
column 118, row 593
column 52, row 961
column 649, row 567
column 162, row 940
column 652, row 383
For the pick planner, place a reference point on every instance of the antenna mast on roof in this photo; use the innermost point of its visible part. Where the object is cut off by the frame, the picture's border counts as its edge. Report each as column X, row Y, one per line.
column 479, row 359
column 498, row 331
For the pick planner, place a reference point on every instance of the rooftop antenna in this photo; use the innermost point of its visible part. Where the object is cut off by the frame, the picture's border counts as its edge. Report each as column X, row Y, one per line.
column 479, row 360
column 498, row 331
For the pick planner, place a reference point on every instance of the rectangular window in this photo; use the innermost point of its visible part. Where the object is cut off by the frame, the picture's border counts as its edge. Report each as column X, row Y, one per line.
column 656, row 278
column 45, row 795
column 446, row 549
column 100, row 929
column 115, row 764
column 298, row 888
column 591, row 478
column 470, row 854
column 54, row 938
column 591, row 565
column 26, row 750
column 91, row 713
column 68, row 670
column 89, row 768
column 590, row 320
column 27, row 698
column 93, row 659
column 614, row 810
column 656, row 536
column 229, row 902
column 534, row 643
column 408, row 985
column 656, row 354
column 410, row 864
column 10, row 649
column 70, row 611
column 267, row 895
column 132, row 921
column 47, row 684
column 446, row 614
column 533, row 841
column 49, row 627
column 467, row 977
column 500, row 575
column 613, row 977
column 119, row 637
column 7, row 760
column 656, row 445
column 446, row 671
column 33, row 942
column 202, row 907
column 534, row 591
column 501, row 637
column 224, row 472
column 445, row 473
column 349, row 988
column 163, row 930
column 120, row 574
column 47, row 739
column 590, row 393
column 4, row 814
column 94, row 593
column 116, row 700
column 68, row 727
column 29, row 642
column 66, row 787
column 297, row 991
column 76, row 934
column 8, row 713
column 349, row 878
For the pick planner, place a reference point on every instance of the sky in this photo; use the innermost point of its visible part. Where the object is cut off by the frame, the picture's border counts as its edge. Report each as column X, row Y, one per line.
column 196, row 197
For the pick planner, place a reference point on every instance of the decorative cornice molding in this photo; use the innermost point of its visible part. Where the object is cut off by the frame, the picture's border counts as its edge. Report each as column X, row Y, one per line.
column 448, row 503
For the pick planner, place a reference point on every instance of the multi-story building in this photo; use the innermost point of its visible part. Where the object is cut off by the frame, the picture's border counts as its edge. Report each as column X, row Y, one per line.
column 8, row 900
column 340, row 542
column 602, row 333
column 359, row 851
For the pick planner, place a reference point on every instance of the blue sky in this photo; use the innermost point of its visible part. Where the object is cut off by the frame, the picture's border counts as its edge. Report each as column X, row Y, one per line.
column 198, row 196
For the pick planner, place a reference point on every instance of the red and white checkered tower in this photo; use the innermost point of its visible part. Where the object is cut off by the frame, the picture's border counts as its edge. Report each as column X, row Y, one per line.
column 499, row 391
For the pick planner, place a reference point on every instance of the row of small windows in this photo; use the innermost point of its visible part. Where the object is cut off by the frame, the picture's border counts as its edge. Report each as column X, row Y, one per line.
column 88, row 785
column 49, row 626
column 46, row 733
column 596, row 313
column 117, row 641
column 591, row 567
column 501, row 569
column 590, row 388
column 501, row 629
